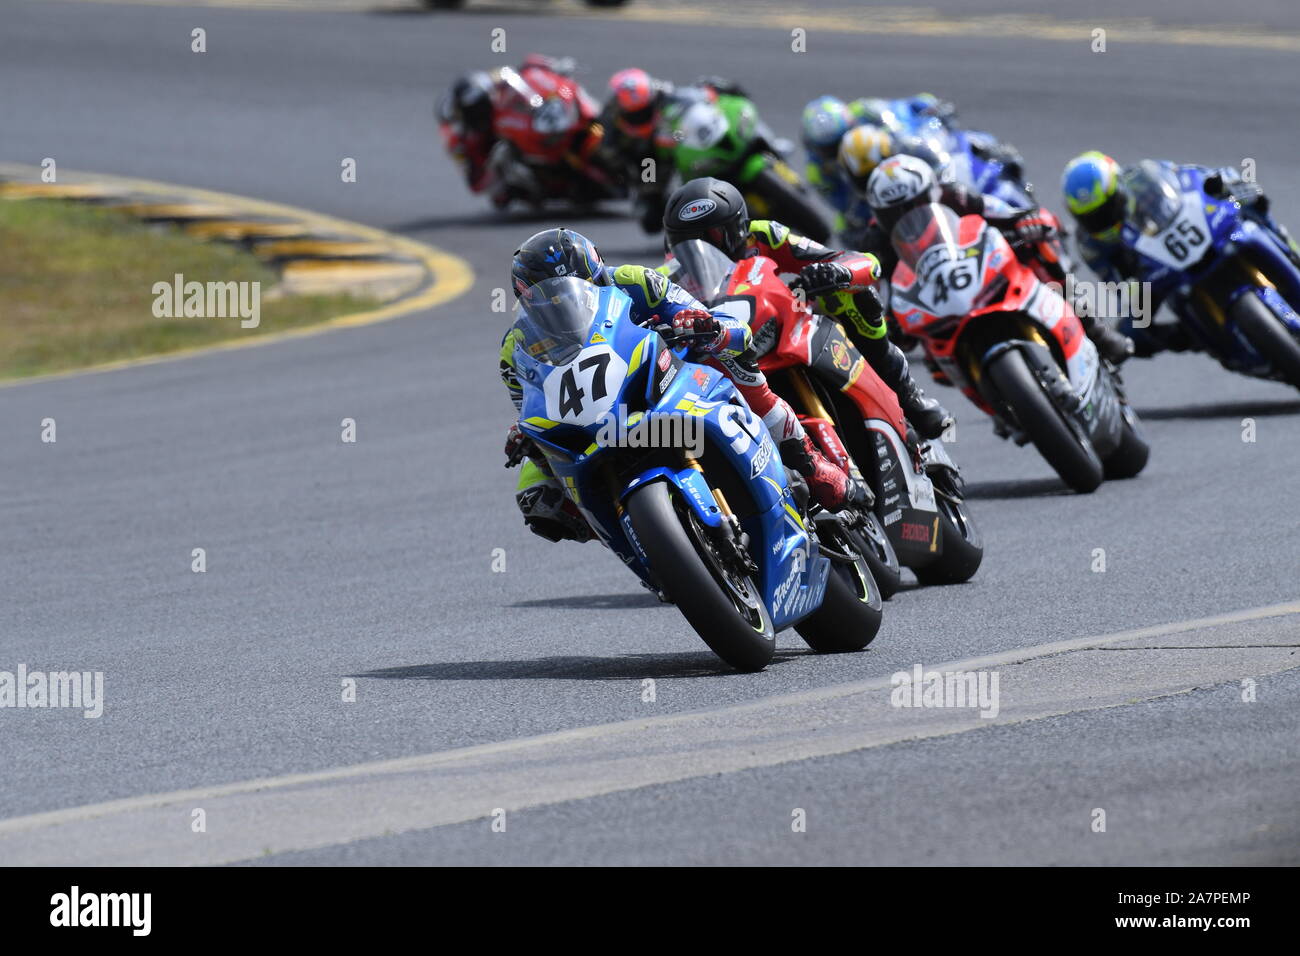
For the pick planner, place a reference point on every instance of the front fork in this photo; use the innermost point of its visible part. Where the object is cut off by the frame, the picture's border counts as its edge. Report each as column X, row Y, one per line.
column 729, row 536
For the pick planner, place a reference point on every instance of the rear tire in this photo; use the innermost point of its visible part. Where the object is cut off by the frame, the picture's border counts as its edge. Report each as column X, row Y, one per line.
column 694, row 585
column 1077, row 463
column 850, row 614
column 789, row 206
column 963, row 546
column 1270, row 337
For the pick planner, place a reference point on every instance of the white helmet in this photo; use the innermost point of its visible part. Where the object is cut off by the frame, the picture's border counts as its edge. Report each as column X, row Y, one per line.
column 899, row 184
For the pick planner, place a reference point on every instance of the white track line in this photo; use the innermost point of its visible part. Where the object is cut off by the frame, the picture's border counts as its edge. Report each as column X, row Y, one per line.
column 310, row 810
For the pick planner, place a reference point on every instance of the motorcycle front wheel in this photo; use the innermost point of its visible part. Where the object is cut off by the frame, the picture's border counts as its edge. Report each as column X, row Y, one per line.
column 850, row 613
column 1269, row 336
column 1074, row 460
column 726, row 611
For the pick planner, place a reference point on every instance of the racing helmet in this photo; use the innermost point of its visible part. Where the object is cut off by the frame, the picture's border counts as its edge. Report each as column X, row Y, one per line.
column 861, row 150
column 897, row 185
column 708, row 209
column 470, row 99
column 825, row 121
column 557, row 253
column 1091, row 183
column 633, row 94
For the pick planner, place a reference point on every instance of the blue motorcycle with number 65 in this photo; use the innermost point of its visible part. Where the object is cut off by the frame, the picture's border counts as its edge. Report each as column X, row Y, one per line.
column 1225, row 273
column 698, row 505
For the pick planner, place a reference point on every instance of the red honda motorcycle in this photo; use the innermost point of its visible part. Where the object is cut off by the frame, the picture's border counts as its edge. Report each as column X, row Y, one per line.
column 1014, row 346
column 548, row 140
column 920, row 519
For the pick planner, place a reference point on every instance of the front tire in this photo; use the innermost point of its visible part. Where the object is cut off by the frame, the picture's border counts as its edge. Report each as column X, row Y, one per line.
column 850, row 614
column 789, row 205
column 1074, row 460
column 1269, row 336
column 692, row 580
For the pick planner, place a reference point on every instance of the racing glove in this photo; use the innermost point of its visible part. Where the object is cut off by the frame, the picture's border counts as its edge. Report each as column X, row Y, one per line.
column 1031, row 227
column 696, row 327
column 517, row 444
column 819, row 278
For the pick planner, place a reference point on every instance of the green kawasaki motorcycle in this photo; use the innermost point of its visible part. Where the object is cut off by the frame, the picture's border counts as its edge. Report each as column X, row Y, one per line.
column 724, row 137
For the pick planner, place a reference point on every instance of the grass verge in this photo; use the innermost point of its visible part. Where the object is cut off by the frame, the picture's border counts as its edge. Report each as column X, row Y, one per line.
column 76, row 289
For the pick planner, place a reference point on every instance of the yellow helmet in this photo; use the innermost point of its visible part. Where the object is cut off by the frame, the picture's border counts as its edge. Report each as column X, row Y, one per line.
column 862, row 149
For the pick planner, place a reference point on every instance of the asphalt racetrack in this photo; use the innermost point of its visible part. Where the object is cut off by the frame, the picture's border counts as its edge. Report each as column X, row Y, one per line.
column 373, row 561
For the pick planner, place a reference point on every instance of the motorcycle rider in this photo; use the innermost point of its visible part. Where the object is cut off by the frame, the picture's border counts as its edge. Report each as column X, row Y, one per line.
column 910, row 114
column 717, row 340
column 465, row 114
column 827, row 119
column 1093, row 184
column 904, row 182
column 843, row 281
column 468, row 114
column 631, row 117
column 858, row 153
column 824, row 122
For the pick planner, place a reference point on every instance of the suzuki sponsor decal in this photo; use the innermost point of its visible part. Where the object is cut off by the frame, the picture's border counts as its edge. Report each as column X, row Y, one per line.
column 761, row 457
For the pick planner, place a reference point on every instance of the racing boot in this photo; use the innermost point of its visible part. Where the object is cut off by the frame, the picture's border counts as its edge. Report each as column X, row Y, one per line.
column 1113, row 346
column 831, row 487
column 547, row 511
column 928, row 417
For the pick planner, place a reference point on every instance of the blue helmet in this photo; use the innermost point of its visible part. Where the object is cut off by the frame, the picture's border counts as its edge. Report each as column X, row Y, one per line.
column 556, row 253
column 1092, row 192
column 825, row 121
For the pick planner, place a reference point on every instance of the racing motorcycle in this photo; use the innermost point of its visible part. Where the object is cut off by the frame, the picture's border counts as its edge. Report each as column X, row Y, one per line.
column 1226, row 276
column 548, row 140
column 721, row 135
column 1013, row 345
column 713, row 524
column 920, row 519
column 955, row 156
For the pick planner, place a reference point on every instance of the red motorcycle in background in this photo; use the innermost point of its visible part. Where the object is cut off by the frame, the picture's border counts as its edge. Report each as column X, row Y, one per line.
column 548, row 139
column 920, row 519
column 1000, row 330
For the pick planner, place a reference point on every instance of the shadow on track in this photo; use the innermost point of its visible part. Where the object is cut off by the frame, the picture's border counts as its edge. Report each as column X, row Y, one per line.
column 1018, row 488
column 595, row 602
column 1223, row 410
column 625, row 667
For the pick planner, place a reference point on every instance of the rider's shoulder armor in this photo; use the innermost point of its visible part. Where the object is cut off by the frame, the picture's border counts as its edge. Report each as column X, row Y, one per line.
column 768, row 232
column 646, row 286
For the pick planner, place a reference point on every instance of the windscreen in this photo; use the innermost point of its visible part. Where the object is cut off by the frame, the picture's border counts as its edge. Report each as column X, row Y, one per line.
column 705, row 270
column 925, row 227
column 1153, row 199
column 555, row 317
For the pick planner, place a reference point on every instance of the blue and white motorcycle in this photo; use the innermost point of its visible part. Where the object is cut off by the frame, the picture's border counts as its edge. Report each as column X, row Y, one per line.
column 1225, row 274
column 957, row 157
column 679, row 478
